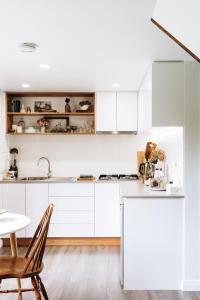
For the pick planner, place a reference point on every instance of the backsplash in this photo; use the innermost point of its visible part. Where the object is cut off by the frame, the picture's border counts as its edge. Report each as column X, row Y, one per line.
column 73, row 155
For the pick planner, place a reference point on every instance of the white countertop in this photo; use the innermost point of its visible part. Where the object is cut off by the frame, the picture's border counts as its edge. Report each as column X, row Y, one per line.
column 135, row 189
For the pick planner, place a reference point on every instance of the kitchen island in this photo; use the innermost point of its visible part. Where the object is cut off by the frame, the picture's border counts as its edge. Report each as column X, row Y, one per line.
column 152, row 229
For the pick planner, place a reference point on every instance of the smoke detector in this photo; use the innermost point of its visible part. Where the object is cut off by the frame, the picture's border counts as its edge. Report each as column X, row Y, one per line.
column 28, row 47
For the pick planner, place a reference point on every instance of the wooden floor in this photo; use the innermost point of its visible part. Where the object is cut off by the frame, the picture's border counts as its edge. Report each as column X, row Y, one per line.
column 87, row 273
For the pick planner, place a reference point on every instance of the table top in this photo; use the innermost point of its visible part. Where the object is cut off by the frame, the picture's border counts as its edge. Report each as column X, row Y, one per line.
column 10, row 223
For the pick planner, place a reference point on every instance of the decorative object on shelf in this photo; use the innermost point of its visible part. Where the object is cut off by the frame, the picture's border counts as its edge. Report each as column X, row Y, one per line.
column 22, row 110
column 43, row 124
column 14, row 105
column 28, row 109
column 85, row 106
column 43, row 106
column 13, row 166
column 30, row 129
column 21, row 124
column 67, row 106
column 14, row 128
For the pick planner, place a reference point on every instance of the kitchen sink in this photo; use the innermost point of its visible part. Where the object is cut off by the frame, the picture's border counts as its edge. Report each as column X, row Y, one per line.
column 34, row 178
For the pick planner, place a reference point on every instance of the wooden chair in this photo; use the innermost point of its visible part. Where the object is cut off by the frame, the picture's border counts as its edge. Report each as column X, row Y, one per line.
column 30, row 265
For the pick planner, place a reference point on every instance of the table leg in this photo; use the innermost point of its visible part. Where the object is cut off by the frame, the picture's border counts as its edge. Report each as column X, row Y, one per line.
column 13, row 245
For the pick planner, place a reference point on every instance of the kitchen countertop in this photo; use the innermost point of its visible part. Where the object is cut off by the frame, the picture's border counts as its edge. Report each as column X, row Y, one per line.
column 61, row 180
column 136, row 189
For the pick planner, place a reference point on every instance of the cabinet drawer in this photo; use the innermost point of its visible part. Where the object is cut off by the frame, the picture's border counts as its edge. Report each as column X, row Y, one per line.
column 71, row 189
column 71, row 230
column 72, row 203
column 79, row 217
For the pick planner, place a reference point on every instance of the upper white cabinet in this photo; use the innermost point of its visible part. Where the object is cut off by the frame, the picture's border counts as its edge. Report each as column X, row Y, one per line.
column 161, row 96
column 107, row 210
column 36, row 204
column 145, row 103
column 127, row 111
column 106, row 111
column 13, row 198
column 116, row 111
column 168, row 94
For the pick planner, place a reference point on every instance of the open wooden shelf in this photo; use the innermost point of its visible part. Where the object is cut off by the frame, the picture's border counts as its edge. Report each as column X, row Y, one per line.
column 60, row 114
column 50, row 133
column 52, row 114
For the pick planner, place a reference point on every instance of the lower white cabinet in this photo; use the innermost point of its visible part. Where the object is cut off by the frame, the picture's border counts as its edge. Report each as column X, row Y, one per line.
column 107, row 210
column 36, row 204
column 73, row 214
column 153, row 243
column 13, row 199
column 71, row 230
column 80, row 209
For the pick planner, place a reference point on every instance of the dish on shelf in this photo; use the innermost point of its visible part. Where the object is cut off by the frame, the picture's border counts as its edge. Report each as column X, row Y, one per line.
column 158, row 189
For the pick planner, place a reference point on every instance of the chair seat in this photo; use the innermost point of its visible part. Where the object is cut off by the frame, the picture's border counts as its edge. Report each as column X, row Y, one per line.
column 12, row 267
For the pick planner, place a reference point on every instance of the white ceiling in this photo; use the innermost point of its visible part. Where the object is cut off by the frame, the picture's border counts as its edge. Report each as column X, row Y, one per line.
column 90, row 44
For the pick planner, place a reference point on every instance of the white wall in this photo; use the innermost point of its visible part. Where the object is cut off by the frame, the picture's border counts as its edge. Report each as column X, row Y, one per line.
column 71, row 156
column 181, row 19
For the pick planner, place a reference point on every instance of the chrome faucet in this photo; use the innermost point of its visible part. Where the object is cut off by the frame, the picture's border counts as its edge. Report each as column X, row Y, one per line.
column 49, row 168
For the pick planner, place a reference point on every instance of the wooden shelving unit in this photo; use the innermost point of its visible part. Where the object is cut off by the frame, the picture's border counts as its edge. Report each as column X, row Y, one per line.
column 57, row 100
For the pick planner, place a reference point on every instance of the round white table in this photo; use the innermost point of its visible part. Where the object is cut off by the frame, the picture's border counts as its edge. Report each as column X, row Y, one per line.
column 10, row 224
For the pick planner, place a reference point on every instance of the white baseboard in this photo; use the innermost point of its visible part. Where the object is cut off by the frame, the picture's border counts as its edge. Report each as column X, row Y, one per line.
column 191, row 285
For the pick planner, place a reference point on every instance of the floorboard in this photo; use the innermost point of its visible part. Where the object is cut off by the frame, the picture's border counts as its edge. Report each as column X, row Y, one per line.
column 87, row 273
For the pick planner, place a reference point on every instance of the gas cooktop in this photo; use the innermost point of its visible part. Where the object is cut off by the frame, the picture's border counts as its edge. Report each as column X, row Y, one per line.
column 120, row 177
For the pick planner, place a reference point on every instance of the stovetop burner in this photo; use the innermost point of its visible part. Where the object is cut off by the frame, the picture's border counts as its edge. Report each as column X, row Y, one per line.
column 118, row 177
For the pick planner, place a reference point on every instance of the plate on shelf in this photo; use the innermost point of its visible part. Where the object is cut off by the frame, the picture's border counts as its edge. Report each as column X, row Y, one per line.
column 2, row 211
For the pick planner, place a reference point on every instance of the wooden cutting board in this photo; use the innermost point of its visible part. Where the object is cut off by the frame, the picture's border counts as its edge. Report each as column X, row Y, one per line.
column 86, row 179
column 140, row 160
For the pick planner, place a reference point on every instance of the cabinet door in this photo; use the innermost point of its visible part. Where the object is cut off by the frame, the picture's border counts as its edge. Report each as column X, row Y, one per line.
column 145, row 103
column 106, row 111
column 13, row 196
column 127, row 111
column 107, row 210
column 36, row 203
column 168, row 94
column 71, row 189
column 152, row 243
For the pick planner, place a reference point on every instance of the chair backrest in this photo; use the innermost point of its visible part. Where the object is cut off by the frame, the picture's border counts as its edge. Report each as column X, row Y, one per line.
column 36, row 248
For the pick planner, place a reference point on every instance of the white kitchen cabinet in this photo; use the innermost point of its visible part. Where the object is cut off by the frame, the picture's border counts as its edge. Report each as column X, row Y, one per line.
column 71, row 189
column 168, row 94
column 107, row 210
column 152, row 243
column 116, row 111
column 127, row 111
column 71, row 230
column 36, row 204
column 106, row 111
column 13, row 199
column 145, row 103
column 72, row 203
column 161, row 96
column 73, row 214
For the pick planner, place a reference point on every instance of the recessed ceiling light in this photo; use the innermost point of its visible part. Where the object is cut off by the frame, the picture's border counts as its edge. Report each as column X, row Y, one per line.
column 25, row 85
column 115, row 85
column 44, row 66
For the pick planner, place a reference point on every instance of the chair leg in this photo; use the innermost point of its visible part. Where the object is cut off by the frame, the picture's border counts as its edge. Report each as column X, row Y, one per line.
column 42, row 288
column 36, row 288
